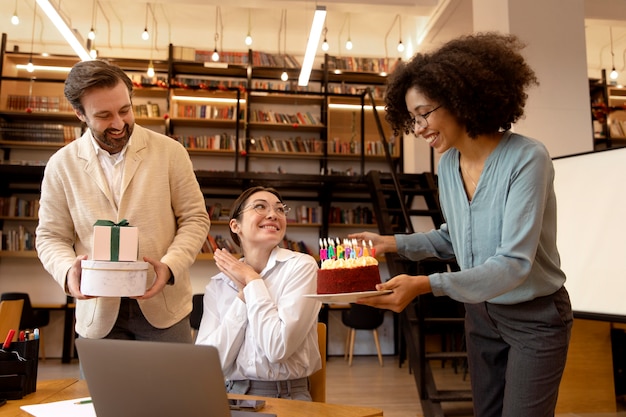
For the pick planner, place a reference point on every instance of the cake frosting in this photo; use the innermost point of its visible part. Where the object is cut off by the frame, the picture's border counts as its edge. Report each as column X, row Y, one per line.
column 338, row 276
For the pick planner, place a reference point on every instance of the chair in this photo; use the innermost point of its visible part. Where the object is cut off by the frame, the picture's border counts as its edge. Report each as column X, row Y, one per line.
column 196, row 314
column 10, row 315
column 317, row 380
column 31, row 318
column 362, row 317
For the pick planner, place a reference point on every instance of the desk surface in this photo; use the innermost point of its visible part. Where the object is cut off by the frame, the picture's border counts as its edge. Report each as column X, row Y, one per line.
column 66, row 389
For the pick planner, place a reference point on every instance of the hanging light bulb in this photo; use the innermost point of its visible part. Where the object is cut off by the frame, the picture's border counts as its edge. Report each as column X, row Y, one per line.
column 30, row 67
column 400, row 44
column 93, row 52
column 92, row 34
column 325, row 42
column 150, row 71
column 613, row 75
column 216, row 56
column 146, row 35
column 248, row 36
column 284, row 76
column 15, row 19
column 349, row 41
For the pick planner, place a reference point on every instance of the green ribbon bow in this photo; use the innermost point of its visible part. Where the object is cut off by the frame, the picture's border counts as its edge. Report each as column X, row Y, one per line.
column 115, row 235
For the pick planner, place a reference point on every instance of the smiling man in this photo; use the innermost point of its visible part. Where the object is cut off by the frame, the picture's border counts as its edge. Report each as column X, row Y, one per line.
column 118, row 170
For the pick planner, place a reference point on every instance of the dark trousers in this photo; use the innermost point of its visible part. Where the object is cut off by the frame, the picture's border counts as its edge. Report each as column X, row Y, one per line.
column 131, row 324
column 517, row 354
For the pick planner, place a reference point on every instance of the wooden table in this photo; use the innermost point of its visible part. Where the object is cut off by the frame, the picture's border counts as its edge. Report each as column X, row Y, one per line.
column 67, row 389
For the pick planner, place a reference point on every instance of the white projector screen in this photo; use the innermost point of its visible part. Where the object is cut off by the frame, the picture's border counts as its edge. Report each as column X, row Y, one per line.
column 591, row 232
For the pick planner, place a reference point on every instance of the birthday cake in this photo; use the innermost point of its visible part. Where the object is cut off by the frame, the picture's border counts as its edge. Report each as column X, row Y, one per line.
column 347, row 268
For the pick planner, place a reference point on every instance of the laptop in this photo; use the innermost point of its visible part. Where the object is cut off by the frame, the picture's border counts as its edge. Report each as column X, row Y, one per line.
column 138, row 378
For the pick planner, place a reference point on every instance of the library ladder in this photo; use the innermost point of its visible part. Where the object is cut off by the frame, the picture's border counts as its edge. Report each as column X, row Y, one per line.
column 399, row 200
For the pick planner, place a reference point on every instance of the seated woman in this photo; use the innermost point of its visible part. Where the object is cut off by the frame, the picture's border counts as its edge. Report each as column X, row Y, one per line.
column 254, row 309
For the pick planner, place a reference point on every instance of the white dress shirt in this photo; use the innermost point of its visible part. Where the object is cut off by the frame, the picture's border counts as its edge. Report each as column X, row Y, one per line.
column 273, row 335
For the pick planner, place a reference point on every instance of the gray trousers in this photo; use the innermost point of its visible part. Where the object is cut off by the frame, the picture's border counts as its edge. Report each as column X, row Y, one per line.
column 516, row 355
column 293, row 389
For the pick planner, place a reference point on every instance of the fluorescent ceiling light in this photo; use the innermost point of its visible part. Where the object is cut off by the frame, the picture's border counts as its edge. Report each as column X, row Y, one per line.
column 65, row 30
column 311, row 47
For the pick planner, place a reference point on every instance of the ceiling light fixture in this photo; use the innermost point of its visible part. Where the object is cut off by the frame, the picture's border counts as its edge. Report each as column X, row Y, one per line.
column 145, row 35
column 30, row 67
column 400, row 44
column 150, row 72
column 314, row 38
column 218, row 17
column 349, row 41
column 325, row 45
column 248, row 36
column 92, row 32
column 69, row 35
column 283, row 29
column 614, row 73
column 15, row 19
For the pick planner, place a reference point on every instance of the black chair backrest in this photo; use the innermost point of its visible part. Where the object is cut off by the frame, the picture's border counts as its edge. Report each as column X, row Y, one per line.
column 196, row 313
column 362, row 317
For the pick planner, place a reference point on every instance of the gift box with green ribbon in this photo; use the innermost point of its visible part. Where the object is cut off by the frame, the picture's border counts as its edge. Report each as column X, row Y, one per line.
column 116, row 242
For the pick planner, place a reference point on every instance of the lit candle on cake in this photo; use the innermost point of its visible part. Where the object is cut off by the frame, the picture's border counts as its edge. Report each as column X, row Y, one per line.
column 322, row 250
column 372, row 250
column 365, row 251
column 331, row 249
column 347, row 249
column 340, row 250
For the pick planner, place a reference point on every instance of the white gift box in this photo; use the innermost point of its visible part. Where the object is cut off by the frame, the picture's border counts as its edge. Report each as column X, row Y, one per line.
column 113, row 279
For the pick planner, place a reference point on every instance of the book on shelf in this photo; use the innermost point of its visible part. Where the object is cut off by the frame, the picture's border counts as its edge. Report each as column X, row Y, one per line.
column 297, row 246
column 362, row 64
column 13, row 206
column 19, row 239
column 38, row 103
column 147, row 110
column 221, row 142
column 357, row 215
column 308, row 214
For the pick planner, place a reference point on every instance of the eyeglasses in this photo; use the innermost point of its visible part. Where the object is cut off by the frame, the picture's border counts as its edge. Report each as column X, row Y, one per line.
column 421, row 120
column 263, row 208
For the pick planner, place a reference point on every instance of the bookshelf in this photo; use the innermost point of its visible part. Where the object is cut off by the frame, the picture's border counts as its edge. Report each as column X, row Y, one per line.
column 241, row 125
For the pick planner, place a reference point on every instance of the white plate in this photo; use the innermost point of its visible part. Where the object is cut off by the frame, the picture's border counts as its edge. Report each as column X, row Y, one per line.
column 349, row 297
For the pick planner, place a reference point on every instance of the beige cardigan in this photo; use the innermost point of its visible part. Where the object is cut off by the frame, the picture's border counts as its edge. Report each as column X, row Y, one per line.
column 160, row 195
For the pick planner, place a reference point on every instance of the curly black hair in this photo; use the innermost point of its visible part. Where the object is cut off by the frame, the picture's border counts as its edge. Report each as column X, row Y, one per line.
column 481, row 79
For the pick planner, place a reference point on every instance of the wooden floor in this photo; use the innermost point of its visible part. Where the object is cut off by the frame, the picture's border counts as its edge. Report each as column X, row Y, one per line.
column 365, row 383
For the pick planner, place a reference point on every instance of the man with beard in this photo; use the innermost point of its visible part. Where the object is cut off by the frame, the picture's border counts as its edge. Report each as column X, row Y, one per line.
column 118, row 170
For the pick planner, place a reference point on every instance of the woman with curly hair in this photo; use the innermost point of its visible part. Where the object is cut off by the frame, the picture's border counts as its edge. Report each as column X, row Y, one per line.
column 497, row 196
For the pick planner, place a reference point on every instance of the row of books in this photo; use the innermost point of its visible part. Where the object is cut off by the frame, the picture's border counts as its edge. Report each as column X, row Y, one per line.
column 38, row 103
column 205, row 111
column 362, row 64
column 308, row 214
column 299, row 118
column 297, row 246
column 205, row 83
column 343, row 88
column 358, row 215
column 289, row 145
column 39, row 132
column 353, row 147
column 222, row 141
column 19, row 239
column 147, row 110
column 14, row 206
column 217, row 211
column 213, row 243
column 283, row 86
